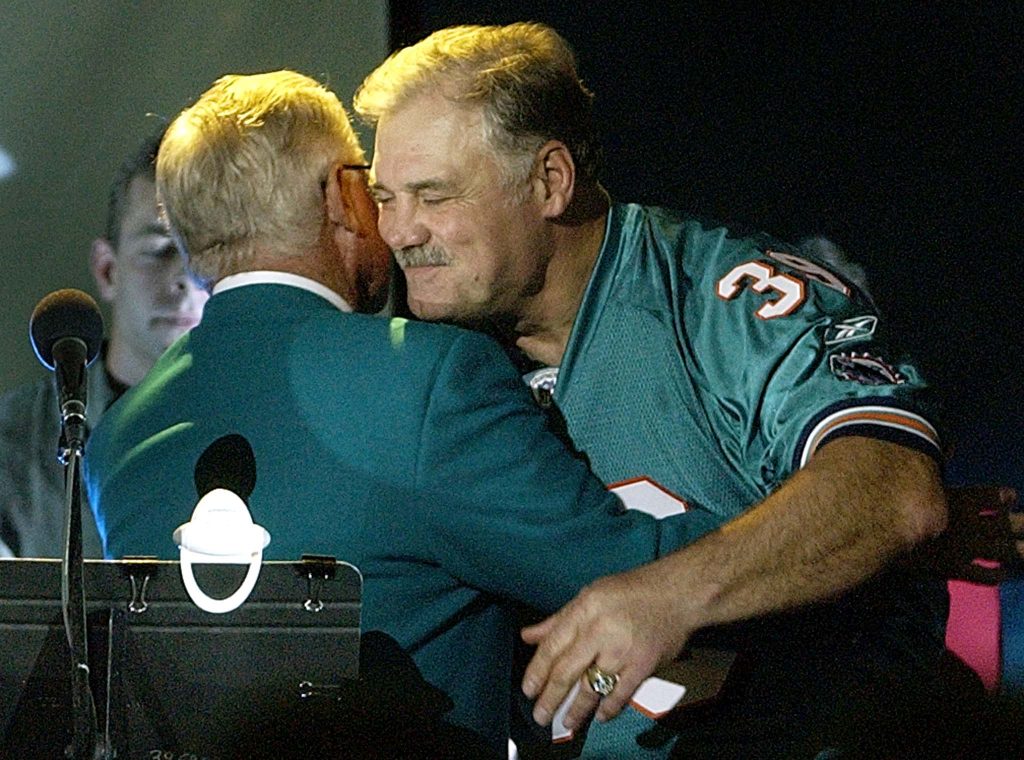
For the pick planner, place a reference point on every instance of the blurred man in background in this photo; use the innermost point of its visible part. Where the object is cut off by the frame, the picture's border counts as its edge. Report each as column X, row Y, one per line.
column 139, row 272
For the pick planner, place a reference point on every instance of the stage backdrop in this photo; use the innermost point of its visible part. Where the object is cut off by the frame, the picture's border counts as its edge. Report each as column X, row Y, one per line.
column 78, row 84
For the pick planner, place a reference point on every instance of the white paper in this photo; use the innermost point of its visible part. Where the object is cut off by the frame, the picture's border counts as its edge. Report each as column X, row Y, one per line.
column 559, row 733
column 656, row 696
column 644, row 495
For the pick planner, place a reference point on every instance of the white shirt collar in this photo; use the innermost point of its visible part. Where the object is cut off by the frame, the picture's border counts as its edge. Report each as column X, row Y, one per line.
column 263, row 277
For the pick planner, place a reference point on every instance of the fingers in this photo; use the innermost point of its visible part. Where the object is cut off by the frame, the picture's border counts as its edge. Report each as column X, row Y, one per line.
column 1008, row 496
column 615, row 624
column 533, row 634
column 630, row 678
column 564, row 670
column 582, row 706
column 552, row 635
column 1017, row 524
column 568, row 643
column 1017, row 530
column 562, row 660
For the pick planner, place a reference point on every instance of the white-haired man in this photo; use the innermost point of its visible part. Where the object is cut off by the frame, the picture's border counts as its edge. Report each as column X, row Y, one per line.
column 409, row 449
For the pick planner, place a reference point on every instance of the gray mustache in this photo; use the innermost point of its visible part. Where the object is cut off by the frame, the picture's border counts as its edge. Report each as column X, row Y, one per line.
column 421, row 256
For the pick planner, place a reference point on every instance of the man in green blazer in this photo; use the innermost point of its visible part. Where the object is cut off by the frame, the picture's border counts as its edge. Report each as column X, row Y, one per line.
column 412, row 450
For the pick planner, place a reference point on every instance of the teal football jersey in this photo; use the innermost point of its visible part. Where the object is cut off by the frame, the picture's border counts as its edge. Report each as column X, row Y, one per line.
column 716, row 365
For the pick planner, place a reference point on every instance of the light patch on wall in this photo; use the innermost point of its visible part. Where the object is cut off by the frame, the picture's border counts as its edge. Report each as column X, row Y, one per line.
column 7, row 165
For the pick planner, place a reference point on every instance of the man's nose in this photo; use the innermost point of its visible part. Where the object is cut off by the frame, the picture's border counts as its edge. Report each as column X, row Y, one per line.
column 182, row 281
column 401, row 227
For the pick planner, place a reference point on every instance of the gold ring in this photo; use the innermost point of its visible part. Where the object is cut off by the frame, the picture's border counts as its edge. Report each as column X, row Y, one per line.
column 601, row 681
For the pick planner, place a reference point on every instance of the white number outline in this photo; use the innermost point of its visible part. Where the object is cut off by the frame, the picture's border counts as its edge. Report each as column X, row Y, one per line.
column 812, row 270
column 790, row 289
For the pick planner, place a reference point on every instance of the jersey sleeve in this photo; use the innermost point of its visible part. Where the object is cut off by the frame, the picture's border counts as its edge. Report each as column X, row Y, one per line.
column 793, row 355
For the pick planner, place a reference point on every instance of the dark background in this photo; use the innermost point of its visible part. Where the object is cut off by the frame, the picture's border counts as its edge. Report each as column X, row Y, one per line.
column 893, row 129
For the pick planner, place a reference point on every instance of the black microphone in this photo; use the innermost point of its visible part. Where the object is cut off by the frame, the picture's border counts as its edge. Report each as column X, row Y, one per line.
column 66, row 331
column 228, row 463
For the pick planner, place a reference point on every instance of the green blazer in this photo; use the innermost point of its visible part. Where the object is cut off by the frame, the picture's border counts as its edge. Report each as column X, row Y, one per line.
column 411, row 450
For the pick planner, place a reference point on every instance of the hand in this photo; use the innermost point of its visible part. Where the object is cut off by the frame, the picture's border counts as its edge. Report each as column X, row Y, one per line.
column 626, row 624
column 982, row 536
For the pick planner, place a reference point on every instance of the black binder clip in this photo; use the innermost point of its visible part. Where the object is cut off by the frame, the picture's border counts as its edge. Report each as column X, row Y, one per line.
column 316, row 569
column 136, row 568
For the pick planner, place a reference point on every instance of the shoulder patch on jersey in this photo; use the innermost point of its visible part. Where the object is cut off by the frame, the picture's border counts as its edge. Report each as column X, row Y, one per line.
column 854, row 328
column 865, row 369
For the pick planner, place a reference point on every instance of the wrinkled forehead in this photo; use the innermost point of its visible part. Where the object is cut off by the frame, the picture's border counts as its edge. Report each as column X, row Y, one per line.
column 427, row 130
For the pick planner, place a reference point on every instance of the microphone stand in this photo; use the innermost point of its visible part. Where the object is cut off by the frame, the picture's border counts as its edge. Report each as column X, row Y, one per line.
column 87, row 744
column 66, row 330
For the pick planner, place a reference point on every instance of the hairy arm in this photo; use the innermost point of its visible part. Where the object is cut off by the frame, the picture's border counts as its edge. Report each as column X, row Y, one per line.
column 858, row 504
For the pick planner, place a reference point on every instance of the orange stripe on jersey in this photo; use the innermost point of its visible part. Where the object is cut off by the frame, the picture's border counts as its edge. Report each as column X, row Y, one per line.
column 869, row 415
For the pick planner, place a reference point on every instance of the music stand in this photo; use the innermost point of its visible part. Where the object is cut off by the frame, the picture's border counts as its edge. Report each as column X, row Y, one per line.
column 167, row 676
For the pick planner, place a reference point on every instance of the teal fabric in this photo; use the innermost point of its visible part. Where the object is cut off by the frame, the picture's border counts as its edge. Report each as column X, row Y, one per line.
column 1011, row 604
column 411, row 450
column 665, row 377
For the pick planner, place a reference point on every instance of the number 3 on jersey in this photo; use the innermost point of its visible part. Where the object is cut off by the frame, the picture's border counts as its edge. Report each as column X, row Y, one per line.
column 790, row 290
column 765, row 278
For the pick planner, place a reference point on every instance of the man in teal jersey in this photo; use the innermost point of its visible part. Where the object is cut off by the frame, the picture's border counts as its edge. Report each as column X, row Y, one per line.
column 736, row 373
column 411, row 450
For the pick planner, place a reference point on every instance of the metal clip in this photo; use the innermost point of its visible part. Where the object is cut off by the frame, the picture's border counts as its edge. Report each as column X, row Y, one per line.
column 313, row 601
column 317, row 569
column 138, row 603
column 135, row 568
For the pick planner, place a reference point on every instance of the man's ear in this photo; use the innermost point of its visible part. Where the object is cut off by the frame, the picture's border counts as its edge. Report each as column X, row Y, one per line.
column 349, row 204
column 103, row 264
column 556, row 174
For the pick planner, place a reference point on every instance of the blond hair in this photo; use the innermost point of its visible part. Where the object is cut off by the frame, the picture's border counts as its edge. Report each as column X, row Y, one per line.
column 242, row 168
column 523, row 75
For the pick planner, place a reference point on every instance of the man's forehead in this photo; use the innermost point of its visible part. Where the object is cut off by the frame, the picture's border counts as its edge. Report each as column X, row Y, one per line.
column 141, row 215
column 427, row 119
column 141, row 196
column 428, row 140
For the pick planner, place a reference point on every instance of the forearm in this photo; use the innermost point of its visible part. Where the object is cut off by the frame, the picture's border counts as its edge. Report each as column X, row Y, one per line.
column 856, row 506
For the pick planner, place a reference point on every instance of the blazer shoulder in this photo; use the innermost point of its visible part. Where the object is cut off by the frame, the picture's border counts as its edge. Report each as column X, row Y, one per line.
column 451, row 342
column 436, row 334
